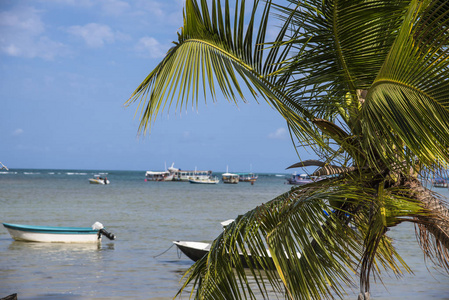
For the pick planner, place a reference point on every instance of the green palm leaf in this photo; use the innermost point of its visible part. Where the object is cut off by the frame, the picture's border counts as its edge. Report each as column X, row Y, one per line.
column 209, row 52
column 294, row 223
column 408, row 106
column 369, row 76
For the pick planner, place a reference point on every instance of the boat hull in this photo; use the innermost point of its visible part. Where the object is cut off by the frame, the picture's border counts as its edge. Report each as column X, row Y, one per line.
column 193, row 250
column 204, row 181
column 46, row 234
column 197, row 250
column 98, row 181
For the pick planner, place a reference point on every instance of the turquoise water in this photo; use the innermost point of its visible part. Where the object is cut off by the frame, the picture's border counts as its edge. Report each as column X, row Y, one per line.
column 146, row 217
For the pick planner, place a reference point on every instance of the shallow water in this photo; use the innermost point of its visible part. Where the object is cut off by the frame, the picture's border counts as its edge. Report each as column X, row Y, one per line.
column 146, row 217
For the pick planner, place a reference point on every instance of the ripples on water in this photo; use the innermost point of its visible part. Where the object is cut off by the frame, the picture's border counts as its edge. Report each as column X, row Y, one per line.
column 146, row 217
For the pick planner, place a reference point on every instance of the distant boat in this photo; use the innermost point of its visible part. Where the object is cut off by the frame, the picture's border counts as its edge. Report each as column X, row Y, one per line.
column 248, row 177
column 302, row 179
column 210, row 180
column 99, row 180
column 49, row 234
column 158, row 176
column 440, row 183
column 230, row 178
column 185, row 175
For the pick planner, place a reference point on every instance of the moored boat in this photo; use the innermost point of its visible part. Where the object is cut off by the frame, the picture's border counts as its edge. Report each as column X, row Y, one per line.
column 440, row 183
column 158, row 176
column 51, row 234
column 210, row 180
column 303, row 179
column 230, row 177
column 248, row 177
column 186, row 175
column 197, row 250
column 193, row 250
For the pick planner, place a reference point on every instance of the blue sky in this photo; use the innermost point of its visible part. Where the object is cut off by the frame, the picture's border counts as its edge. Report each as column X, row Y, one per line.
column 68, row 66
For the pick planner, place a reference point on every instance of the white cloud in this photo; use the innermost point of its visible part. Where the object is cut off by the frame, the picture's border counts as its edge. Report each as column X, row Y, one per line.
column 150, row 47
column 95, row 35
column 279, row 134
column 17, row 132
column 23, row 34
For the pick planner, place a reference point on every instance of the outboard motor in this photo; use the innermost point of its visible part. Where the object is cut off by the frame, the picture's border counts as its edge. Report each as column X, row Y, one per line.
column 107, row 234
column 101, row 231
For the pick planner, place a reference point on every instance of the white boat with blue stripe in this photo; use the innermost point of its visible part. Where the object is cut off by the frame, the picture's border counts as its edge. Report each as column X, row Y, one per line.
column 50, row 234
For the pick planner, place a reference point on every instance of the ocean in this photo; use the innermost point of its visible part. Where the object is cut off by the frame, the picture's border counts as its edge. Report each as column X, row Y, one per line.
column 146, row 217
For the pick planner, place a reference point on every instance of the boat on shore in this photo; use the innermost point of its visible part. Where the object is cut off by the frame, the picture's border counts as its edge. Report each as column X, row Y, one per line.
column 99, row 180
column 210, row 180
column 50, row 234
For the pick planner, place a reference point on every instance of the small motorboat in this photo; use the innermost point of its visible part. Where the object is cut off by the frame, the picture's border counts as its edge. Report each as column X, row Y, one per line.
column 209, row 180
column 50, row 234
column 193, row 250
column 197, row 250
column 99, row 180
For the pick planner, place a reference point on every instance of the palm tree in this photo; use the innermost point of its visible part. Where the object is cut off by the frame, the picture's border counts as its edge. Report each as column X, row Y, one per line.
column 364, row 84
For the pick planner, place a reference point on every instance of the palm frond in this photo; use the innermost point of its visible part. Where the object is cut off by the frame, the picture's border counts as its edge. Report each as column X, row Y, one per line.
column 341, row 46
column 407, row 107
column 210, row 52
column 302, row 221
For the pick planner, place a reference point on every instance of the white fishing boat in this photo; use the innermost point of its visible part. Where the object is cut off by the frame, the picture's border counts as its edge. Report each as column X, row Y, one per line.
column 186, row 175
column 210, row 180
column 50, row 234
column 99, row 180
column 158, row 176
